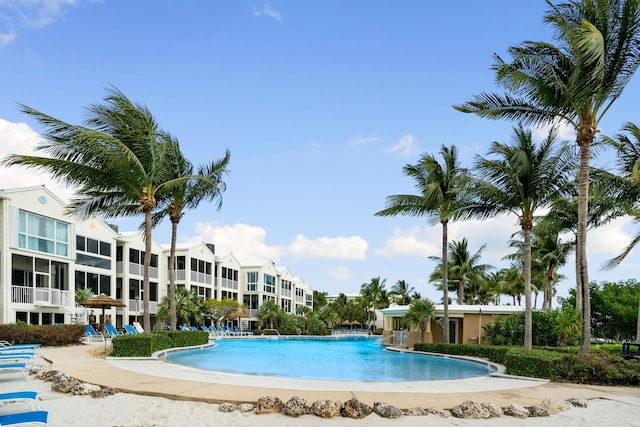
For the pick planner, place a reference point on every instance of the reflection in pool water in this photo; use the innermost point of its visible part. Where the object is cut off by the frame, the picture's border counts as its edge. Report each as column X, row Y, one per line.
column 325, row 358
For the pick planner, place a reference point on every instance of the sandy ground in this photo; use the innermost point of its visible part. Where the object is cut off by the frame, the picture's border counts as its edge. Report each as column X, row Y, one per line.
column 131, row 410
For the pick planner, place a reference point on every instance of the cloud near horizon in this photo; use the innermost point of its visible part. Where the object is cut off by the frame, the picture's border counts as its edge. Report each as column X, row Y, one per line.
column 249, row 242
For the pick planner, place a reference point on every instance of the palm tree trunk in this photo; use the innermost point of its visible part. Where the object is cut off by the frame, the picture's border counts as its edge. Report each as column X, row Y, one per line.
column 146, row 316
column 581, row 243
column 578, row 281
column 445, row 281
column 528, row 330
column 172, row 278
column 638, row 325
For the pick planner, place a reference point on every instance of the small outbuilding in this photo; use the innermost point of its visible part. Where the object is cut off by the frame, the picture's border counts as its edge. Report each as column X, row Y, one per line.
column 465, row 324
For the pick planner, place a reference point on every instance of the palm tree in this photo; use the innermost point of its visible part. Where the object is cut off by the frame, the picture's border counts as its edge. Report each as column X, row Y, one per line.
column 575, row 82
column 268, row 313
column 374, row 295
column 441, row 189
column 118, row 163
column 401, row 292
column 463, row 264
column 188, row 307
column 521, row 180
column 550, row 253
column 207, row 185
column 421, row 312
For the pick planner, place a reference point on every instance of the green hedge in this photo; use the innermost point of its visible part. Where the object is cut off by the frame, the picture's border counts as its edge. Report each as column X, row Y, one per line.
column 603, row 366
column 534, row 363
column 46, row 335
column 144, row 345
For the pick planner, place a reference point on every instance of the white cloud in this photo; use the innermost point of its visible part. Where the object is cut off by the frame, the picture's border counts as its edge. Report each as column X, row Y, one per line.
column 340, row 273
column 566, row 132
column 419, row 242
column 249, row 242
column 245, row 241
column 612, row 238
column 407, row 146
column 19, row 138
column 268, row 11
column 361, row 140
column 7, row 38
column 354, row 247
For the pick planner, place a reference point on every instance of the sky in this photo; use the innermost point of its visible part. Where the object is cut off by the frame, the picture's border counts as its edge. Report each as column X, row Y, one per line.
column 320, row 102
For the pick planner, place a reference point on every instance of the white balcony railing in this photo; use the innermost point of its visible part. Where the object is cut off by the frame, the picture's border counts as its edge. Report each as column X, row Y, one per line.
column 229, row 284
column 201, row 277
column 138, row 306
column 41, row 296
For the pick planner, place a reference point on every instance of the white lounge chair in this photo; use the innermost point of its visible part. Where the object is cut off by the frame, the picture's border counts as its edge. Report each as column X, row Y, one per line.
column 29, row 397
column 24, row 418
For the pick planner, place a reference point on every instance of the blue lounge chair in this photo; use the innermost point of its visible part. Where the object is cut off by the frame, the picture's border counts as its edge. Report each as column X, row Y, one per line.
column 24, row 418
column 9, row 367
column 240, row 332
column 193, row 328
column 130, row 330
column 229, row 331
column 111, row 331
column 6, row 344
column 220, row 330
column 184, row 328
column 90, row 335
column 28, row 397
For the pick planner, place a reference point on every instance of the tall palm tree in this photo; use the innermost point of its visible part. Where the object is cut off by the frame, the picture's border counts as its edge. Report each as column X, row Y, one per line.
column 522, row 179
column 269, row 313
column 575, row 82
column 117, row 162
column 463, row 264
column 374, row 295
column 421, row 312
column 206, row 185
column 401, row 292
column 441, row 189
column 549, row 253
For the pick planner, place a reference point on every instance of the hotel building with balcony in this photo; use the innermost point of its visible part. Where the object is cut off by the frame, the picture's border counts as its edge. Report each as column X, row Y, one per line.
column 46, row 255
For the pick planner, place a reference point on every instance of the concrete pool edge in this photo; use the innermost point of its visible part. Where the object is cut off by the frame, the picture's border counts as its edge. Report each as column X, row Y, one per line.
column 77, row 362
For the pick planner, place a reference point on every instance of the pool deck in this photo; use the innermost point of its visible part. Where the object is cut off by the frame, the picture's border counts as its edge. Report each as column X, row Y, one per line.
column 158, row 378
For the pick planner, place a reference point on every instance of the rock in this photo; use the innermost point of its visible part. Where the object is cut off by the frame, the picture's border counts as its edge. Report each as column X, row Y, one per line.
column 269, row 405
column 103, row 392
column 227, row 407
column 494, row 410
column 415, row 412
column 555, row 406
column 63, row 383
column 469, row 409
column 296, row 406
column 46, row 374
column 246, row 407
column 537, row 411
column 442, row 413
column 327, row 408
column 578, row 402
column 84, row 389
column 516, row 411
column 386, row 410
column 353, row 408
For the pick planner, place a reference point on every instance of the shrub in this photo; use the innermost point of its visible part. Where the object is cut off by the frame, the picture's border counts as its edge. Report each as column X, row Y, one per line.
column 534, row 363
column 600, row 368
column 46, row 335
column 144, row 345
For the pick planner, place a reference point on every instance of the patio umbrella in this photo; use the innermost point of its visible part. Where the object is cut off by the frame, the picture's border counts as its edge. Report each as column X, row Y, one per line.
column 104, row 301
column 238, row 314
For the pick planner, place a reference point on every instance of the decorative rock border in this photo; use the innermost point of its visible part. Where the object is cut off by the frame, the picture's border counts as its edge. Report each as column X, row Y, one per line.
column 297, row 406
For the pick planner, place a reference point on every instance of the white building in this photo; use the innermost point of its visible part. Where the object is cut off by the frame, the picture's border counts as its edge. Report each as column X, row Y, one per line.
column 45, row 255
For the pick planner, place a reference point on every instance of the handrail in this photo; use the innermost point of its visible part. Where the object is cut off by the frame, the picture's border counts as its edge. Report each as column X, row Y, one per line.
column 272, row 330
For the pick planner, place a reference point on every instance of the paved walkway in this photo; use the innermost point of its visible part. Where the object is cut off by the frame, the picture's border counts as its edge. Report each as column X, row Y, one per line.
column 158, row 378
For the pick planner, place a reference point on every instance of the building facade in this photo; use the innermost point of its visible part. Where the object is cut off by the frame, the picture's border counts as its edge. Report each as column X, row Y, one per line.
column 46, row 255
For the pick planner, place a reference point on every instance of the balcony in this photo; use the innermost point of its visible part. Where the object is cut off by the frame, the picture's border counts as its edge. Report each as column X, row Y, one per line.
column 41, row 296
column 138, row 306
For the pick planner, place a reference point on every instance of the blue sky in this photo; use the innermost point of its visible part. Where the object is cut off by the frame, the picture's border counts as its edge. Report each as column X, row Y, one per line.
column 321, row 103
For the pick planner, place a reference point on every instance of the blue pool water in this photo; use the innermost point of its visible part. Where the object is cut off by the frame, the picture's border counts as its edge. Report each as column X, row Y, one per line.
column 347, row 359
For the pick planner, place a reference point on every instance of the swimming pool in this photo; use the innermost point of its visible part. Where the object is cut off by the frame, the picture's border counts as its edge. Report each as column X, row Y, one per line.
column 325, row 358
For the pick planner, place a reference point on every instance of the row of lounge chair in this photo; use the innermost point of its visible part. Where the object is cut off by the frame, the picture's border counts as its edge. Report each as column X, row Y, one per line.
column 93, row 336
column 350, row 332
column 220, row 331
column 14, row 357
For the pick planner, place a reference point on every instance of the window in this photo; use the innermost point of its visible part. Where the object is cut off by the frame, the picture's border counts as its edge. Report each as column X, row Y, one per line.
column 92, row 246
column 252, row 280
column 269, row 284
column 41, row 234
